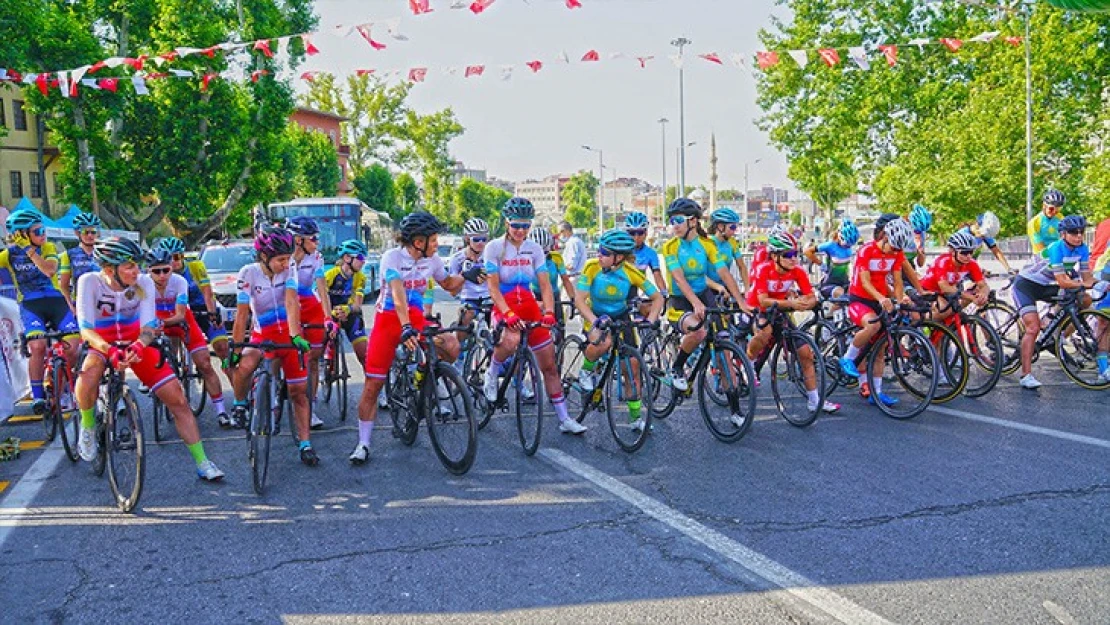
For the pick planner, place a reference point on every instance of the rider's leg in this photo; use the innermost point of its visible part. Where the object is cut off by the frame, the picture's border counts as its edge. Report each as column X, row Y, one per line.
column 202, row 360
column 241, row 374
column 36, row 366
column 1032, row 321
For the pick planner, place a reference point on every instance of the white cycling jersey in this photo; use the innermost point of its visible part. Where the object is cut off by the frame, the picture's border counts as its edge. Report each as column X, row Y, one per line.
column 266, row 297
column 460, row 263
column 515, row 266
column 415, row 274
column 115, row 315
column 308, row 270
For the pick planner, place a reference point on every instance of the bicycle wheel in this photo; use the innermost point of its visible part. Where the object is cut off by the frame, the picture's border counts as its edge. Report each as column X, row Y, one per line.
column 192, row 381
column 529, row 414
column 158, row 410
column 69, row 420
column 984, row 353
column 474, row 373
column 658, row 353
column 1077, row 347
column 1007, row 324
column 100, row 461
column 831, row 346
column 259, row 430
column 49, row 414
column 913, row 361
column 951, row 357
column 569, row 362
column 126, row 451
column 341, row 379
column 788, row 379
column 629, row 415
column 450, row 419
column 735, row 381
column 402, row 404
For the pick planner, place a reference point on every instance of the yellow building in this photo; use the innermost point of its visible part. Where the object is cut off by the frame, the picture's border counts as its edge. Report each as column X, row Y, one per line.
column 20, row 174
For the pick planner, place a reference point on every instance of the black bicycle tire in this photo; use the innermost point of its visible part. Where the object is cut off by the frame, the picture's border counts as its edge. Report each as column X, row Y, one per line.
column 401, row 404
column 444, row 371
column 52, row 406
column 127, row 501
column 192, row 378
column 476, row 356
column 156, row 409
column 790, row 356
column 660, row 345
column 341, row 383
column 831, row 344
column 578, row 402
column 100, row 461
column 630, row 353
column 259, row 430
column 955, row 388
column 880, row 347
column 996, row 371
column 749, row 373
column 524, row 354
column 1061, row 356
column 1011, row 361
column 60, row 380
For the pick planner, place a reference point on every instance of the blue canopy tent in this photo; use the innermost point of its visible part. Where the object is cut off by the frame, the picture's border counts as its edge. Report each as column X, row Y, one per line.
column 66, row 221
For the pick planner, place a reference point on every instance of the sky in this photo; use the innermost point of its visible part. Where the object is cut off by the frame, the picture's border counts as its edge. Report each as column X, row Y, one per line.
column 534, row 125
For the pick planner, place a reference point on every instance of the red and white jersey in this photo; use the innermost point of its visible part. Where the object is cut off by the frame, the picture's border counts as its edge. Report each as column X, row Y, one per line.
column 768, row 280
column 878, row 265
column 945, row 268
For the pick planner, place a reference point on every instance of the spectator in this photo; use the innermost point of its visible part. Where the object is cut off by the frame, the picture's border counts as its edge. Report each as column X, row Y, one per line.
column 4, row 213
column 1102, row 238
column 574, row 250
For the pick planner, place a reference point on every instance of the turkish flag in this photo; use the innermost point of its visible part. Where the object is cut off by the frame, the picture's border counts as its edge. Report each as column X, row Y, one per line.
column 592, row 55
column 480, row 5
column 309, row 49
column 111, row 84
column 474, row 70
column 712, row 58
column 419, row 6
column 891, row 54
column 96, row 67
column 169, row 56
column 830, row 56
column 952, row 44
column 417, row 74
column 574, row 4
column 364, row 72
column 207, row 79
column 767, row 60
column 264, row 46
column 535, row 66
column 364, row 30
column 1013, row 41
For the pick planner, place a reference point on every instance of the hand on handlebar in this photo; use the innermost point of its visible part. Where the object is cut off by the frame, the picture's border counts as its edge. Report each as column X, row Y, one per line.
column 887, row 304
column 409, row 335
column 699, row 310
column 301, row 344
column 513, row 321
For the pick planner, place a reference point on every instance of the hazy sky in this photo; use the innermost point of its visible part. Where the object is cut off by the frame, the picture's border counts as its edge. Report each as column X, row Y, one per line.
column 534, row 125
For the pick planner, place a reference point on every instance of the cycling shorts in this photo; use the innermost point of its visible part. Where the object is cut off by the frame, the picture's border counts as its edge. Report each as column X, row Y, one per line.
column 385, row 336
column 196, row 339
column 354, row 327
column 826, row 289
column 312, row 313
column 528, row 309
column 290, row 361
column 214, row 331
column 1027, row 293
column 146, row 369
column 860, row 308
column 680, row 306
column 47, row 313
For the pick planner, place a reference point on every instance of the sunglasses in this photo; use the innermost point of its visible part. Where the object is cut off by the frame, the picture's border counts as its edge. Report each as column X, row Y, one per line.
column 791, row 254
column 161, row 271
column 38, row 232
column 601, row 251
column 678, row 220
column 520, row 225
column 179, row 257
column 360, row 257
column 964, row 252
column 1078, row 232
column 638, row 232
column 478, row 239
column 90, row 231
column 734, row 227
column 314, row 238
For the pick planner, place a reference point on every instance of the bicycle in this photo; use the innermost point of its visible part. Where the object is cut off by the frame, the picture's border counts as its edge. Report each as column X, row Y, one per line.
column 477, row 350
column 191, row 379
column 61, row 405
column 265, row 407
column 159, row 410
column 979, row 344
column 624, row 377
column 422, row 387
column 119, row 432
column 521, row 372
column 784, row 353
column 1003, row 317
column 832, row 331
column 334, row 373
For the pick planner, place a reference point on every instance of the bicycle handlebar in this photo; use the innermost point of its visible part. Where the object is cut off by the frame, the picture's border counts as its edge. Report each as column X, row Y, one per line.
column 269, row 346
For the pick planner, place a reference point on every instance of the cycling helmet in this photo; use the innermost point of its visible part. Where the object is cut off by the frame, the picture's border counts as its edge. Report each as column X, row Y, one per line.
column 636, row 221
column 963, row 241
column 989, row 226
column 116, row 251
column 352, row 247
column 1052, row 197
column 23, row 219
column 899, row 233
column 86, row 220
column 849, row 233
column 783, row 241
column 274, row 241
column 1073, row 222
column 158, row 256
column 419, row 224
column 543, row 237
column 518, row 208
column 684, row 206
column 475, row 227
column 302, row 226
column 724, row 216
column 883, row 220
column 920, row 218
column 173, row 244
column 617, row 241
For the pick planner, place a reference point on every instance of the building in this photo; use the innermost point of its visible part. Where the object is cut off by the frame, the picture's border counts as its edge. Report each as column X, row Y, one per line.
column 546, row 196
column 625, row 195
column 21, row 173
column 504, row 185
column 461, row 172
column 328, row 123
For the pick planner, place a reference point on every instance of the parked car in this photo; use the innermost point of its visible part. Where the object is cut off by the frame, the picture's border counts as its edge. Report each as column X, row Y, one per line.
column 224, row 259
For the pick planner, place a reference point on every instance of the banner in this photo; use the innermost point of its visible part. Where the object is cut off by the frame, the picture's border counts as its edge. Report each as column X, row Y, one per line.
column 14, row 383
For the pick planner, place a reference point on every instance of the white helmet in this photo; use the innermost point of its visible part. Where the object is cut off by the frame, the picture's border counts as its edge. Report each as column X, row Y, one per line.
column 543, row 237
column 475, row 227
column 899, row 233
column 989, row 226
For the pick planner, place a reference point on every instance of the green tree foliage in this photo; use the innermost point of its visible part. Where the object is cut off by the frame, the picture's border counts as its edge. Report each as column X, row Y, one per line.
column 580, row 197
column 428, row 136
column 477, row 199
column 374, row 186
column 669, row 195
column 406, row 196
column 314, row 166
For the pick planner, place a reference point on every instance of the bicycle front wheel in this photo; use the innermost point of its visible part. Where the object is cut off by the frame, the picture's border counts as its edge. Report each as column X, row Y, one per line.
column 914, row 364
column 626, row 406
column 1077, row 347
column 192, row 380
column 259, row 431
column 658, row 354
column 953, row 361
column 158, row 411
column 402, row 404
column 797, row 364
column 985, row 355
column 529, row 410
column 474, row 373
column 569, row 362
column 729, row 372
column 65, row 409
column 342, row 375
column 1007, row 324
column 450, row 419
column 126, row 451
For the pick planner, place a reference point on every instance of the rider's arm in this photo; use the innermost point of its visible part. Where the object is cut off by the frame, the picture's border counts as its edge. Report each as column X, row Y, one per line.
column 919, row 239
column 400, row 301
column 546, row 294
column 811, row 254
column 865, row 282
column 178, row 315
column 716, row 286
column 580, row 300
column 659, row 280
column 730, row 284
column 322, row 289
column 899, row 285
column 1001, row 257
column 911, row 274
column 87, row 313
column 657, row 303
column 65, row 280
column 568, row 285
column 293, row 307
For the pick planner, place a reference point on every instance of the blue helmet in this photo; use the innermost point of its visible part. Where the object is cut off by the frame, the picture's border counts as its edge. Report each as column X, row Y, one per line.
column 173, row 244
column 352, row 247
column 85, row 220
column 635, row 221
column 23, row 219
column 684, row 206
column 1052, row 197
column 158, row 256
column 1073, row 222
column 849, row 233
column 724, row 216
column 617, row 241
column 518, row 208
column 921, row 219
column 302, row 226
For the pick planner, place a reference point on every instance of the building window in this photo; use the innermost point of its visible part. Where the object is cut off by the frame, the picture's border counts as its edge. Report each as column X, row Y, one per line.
column 19, row 116
column 57, row 185
column 3, row 120
column 36, row 184
column 17, row 185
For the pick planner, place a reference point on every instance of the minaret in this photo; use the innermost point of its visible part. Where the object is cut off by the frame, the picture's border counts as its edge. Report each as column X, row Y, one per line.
column 712, row 172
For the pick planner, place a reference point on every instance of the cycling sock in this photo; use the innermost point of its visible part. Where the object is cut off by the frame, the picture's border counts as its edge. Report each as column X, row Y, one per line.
column 560, row 404
column 239, row 402
column 851, row 352
column 196, row 450
column 36, row 390
column 634, row 407
column 813, row 396
column 878, row 385
column 1103, row 360
column 88, row 418
column 218, row 404
column 365, row 429
column 588, row 365
column 303, row 445
column 680, row 360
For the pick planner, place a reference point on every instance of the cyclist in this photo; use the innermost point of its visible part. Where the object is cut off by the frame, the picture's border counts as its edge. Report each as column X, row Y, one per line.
column 1064, row 266
column 268, row 293
column 117, row 305
column 79, row 260
column 985, row 228
column 724, row 222
column 838, row 260
column 775, row 284
column 406, row 271
column 468, row 263
column 346, row 287
column 921, row 220
column 171, row 305
column 201, row 300
column 1102, row 274
column 947, row 273
column 312, row 293
column 646, row 259
column 513, row 262
column 553, row 262
column 1044, row 227
column 691, row 256
column 32, row 262
column 870, row 293
column 602, row 298
column 909, row 273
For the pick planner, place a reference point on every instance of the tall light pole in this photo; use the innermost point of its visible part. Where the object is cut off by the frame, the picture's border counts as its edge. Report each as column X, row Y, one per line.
column 680, row 191
column 681, row 43
column 744, row 212
column 663, row 195
column 1028, row 13
column 600, row 187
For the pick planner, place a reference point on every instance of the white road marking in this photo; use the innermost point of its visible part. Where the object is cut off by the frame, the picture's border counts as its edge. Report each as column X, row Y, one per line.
column 1024, row 427
column 1059, row 613
column 25, row 490
column 825, row 600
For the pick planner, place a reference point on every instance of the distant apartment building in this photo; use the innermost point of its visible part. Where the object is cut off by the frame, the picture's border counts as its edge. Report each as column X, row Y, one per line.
column 546, row 195
column 20, row 172
column 328, row 123
column 462, row 172
column 505, row 185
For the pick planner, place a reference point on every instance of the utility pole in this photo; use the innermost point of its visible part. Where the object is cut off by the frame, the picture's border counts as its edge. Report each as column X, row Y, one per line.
column 663, row 199
column 681, row 43
column 600, row 187
column 91, row 164
column 1028, row 13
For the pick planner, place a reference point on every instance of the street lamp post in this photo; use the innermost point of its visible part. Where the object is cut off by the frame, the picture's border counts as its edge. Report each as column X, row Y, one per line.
column 1028, row 12
column 600, row 187
column 681, row 43
column 744, row 210
column 91, row 165
column 663, row 194
column 680, row 191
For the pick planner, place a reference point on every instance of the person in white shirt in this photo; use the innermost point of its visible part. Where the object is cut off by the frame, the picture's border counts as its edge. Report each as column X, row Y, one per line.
column 574, row 250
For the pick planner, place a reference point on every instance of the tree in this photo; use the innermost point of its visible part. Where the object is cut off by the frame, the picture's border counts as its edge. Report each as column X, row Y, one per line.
column 375, row 112
column 669, row 195
column 477, row 199
column 580, row 197
column 428, row 136
column 406, row 194
column 315, row 168
column 374, row 186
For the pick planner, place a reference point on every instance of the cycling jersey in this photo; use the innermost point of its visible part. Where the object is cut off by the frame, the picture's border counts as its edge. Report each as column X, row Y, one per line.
column 516, row 266
column 176, row 294
column 1058, row 258
column 115, row 315
column 647, row 260
column 729, row 250
column 77, row 262
column 979, row 241
column 555, row 268
column 1102, row 266
column 945, row 268
column 397, row 264
column 30, row 282
column 459, row 263
column 879, row 265
column 916, row 247
column 695, row 258
column 341, row 288
column 838, row 262
column 266, row 298
column 609, row 290
column 196, row 274
column 777, row 285
column 1043, row 231
column 308, row 270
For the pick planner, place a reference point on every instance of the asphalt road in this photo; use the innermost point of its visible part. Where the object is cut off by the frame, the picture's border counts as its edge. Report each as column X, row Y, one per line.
column 991, row 510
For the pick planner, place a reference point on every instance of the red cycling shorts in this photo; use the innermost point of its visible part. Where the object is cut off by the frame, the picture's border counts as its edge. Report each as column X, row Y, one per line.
column 197, row 339
column 858, row 310
column 524, row 304
column 385, row 336
column 147, row 369
column 290, row 361
column 312, row 313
